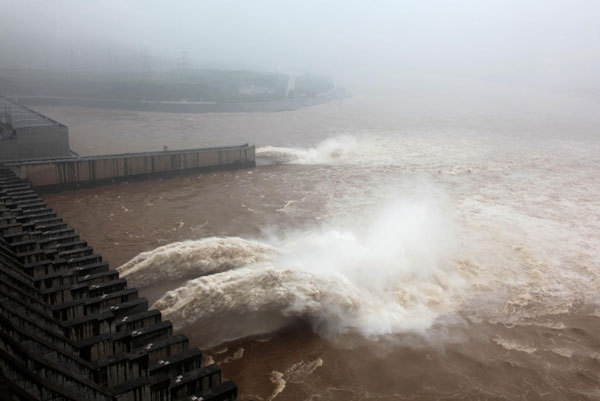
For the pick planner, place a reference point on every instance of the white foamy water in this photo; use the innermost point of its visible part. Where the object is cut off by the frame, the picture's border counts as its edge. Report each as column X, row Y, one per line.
column 336, row 150
column 513, row 346
column 394, row 274
column 296, row 373
column 394, row 263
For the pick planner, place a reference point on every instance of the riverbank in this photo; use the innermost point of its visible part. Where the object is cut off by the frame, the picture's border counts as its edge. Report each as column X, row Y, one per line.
column 282, row 104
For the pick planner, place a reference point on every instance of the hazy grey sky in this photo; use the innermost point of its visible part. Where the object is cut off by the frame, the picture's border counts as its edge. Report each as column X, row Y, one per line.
column 530, row 41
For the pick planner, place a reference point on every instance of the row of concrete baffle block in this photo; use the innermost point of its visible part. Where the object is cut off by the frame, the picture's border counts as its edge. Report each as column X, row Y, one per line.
column 71, row 329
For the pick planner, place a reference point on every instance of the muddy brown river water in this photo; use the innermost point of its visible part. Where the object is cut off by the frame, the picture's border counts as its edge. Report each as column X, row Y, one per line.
column 381, row 250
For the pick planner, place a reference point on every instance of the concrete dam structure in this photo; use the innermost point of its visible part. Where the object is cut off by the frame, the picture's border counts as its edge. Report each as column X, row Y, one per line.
column 84, row 170
column 26, row 134
column 36, row 148
column 71, row 329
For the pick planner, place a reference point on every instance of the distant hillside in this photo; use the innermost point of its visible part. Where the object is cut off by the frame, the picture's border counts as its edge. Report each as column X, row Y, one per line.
column 220, row 86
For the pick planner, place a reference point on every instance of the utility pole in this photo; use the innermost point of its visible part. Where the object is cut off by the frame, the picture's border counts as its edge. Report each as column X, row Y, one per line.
column 183, row 62
column 146, row 61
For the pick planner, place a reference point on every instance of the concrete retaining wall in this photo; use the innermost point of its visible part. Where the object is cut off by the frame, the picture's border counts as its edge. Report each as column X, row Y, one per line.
column 36, row 142
column 98, row 169
column 43, row 142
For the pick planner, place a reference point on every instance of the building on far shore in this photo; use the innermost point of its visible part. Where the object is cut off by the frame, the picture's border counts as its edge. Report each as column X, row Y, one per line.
column 27, row 134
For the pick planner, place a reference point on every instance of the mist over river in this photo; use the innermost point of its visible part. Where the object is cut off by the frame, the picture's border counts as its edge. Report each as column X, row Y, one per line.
column 385, row 248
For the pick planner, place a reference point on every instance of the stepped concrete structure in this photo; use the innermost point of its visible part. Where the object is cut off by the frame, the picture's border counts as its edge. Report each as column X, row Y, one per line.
column 71, row 329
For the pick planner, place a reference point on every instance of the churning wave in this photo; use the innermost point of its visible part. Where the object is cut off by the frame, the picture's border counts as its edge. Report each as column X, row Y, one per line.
column 392, row 276
column 192, row 259
column 337, row 150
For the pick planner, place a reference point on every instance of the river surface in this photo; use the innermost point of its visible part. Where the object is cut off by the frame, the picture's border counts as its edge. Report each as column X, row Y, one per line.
column 383, row 249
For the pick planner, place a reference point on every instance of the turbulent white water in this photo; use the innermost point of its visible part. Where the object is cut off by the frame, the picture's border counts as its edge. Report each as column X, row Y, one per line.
column 337, row 150
column 396, row 255
column 395, row 274
column 192, row 259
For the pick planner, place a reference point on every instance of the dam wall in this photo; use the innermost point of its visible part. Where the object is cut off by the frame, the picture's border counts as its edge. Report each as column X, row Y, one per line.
column 75, row 171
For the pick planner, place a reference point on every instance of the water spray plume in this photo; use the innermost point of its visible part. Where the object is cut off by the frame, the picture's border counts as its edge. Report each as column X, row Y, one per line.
column 393, row 274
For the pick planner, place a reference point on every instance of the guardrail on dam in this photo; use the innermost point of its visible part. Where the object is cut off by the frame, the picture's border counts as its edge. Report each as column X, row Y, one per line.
column 66, row 172
column 71, row 329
